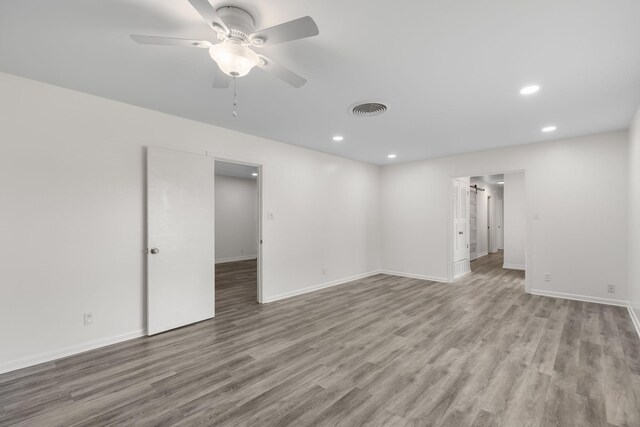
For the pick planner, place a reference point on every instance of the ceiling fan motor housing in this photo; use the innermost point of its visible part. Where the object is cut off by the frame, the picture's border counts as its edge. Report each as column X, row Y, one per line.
column 239, row 22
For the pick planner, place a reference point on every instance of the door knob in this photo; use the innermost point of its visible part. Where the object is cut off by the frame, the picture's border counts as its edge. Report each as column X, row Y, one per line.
column 459, row 232
column 155, row 251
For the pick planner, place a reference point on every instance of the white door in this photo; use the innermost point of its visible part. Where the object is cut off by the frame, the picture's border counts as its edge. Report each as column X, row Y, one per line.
column 460, row 220
column 180, row 241
column 498, row 223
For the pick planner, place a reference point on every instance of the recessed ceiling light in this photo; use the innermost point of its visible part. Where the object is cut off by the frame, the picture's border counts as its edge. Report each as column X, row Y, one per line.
column 529, row 90
column 500, row 182
column 549, row 129
column 391, row 156
column 338, row 138
column 254, row 174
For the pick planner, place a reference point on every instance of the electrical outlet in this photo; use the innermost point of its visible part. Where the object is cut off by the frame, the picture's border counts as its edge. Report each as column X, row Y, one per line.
column 611, row 289
column 88, row 319
column 242, row 251
column 324, row 271
column 547, row 277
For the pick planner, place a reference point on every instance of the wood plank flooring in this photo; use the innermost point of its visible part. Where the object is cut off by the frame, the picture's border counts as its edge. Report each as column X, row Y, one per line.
column 236, row 286
column 378, row 351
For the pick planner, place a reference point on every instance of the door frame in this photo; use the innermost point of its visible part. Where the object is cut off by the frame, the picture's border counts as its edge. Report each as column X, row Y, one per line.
column 260, row 219
column 528, row 256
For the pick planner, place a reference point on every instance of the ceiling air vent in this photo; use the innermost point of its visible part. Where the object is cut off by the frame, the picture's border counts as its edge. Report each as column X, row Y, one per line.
column 368, row 109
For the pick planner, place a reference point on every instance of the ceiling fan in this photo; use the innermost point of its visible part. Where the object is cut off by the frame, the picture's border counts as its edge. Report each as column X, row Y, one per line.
column 236, row 36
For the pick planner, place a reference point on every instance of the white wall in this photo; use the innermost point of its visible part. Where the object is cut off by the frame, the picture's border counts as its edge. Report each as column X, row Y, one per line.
column 236, row 212
column 634, row 215
column 72, row 215
column 569, row 241
column 515, row 221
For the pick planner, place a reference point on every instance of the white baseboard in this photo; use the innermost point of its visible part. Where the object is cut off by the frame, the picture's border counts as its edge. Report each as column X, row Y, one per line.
column 13, row 365
column 597, row 300
column 584, row 298
column 634, row 318
column 481, row 254
column 462, row 275
column 513, row 266
column 416, row 276
column 236, row 258
column 318, row 287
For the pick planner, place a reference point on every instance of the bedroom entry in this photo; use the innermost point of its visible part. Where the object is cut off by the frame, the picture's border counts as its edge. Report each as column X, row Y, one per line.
column 191, row 255
column 237, row 231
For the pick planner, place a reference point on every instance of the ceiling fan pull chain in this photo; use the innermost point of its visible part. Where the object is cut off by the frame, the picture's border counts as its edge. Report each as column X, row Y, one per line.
column 235, row 98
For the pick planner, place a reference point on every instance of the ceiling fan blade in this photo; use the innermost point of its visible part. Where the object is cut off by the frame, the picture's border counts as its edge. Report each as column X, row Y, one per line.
column 170, row 41
column 288, row 31
column 209, row 14
column 220, row 79
column 281, row 72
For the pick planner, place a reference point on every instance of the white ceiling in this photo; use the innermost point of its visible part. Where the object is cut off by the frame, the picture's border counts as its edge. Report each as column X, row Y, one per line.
column 235, row 170
column 450, row 70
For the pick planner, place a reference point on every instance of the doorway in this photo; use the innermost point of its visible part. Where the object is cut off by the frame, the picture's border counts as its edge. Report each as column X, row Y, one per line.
column 237, row 236
column 181, row 237
column 497, row 226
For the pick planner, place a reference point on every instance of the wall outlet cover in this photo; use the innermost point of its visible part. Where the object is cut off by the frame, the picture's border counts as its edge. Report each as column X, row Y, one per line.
column 88, row 319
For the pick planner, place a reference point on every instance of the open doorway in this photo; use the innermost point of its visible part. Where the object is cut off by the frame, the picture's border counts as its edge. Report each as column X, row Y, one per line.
column 487, row 190
column 490, row 211
column 237, row 236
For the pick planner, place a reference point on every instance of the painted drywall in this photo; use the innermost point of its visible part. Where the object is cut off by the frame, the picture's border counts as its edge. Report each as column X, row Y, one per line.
column 236, row 212
column 515, row 221
column 72, row 219
column 634, row 216
column 578, row 245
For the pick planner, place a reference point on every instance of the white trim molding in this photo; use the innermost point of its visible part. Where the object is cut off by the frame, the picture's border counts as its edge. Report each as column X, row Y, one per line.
column 416, row 276
column 481, row 254
column 237, row 258
column 461, row 275
column 584, row 298
column 313, row 288
column 634, row 318
column 26, row 362
column 508, row 266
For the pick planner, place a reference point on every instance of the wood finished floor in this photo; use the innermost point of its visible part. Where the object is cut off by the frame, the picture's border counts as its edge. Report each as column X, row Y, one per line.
column 379, row 351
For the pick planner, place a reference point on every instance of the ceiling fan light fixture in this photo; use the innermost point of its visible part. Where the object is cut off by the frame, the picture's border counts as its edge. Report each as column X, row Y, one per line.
column 233, row 59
